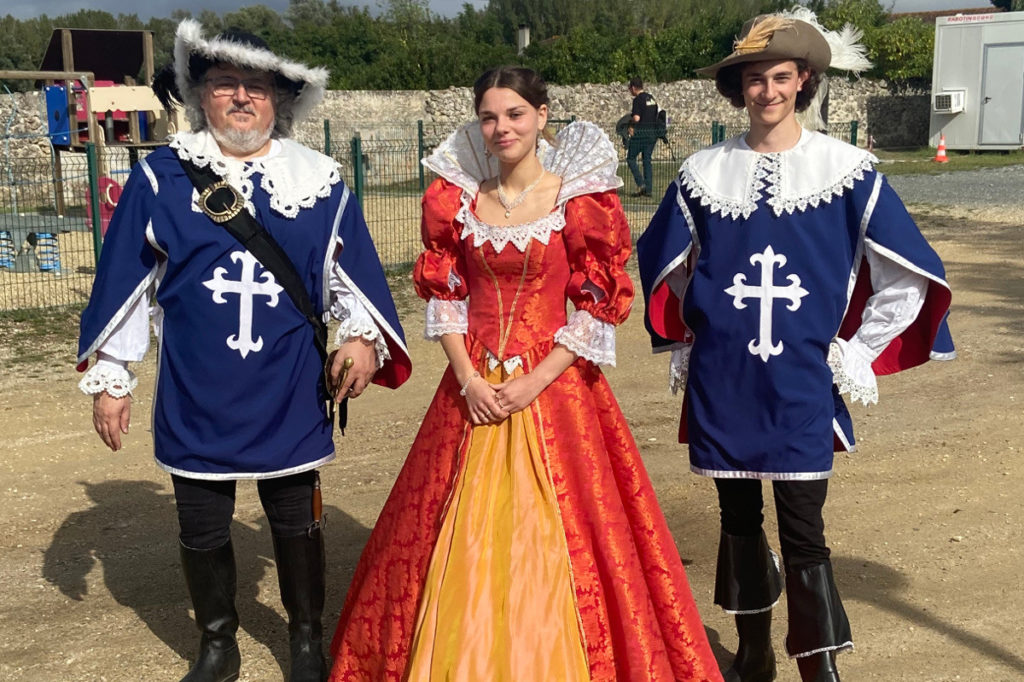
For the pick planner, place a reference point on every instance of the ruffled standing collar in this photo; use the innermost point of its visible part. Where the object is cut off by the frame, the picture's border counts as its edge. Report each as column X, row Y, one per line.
column 294, row 176
column 583, row 157
column 731, row 178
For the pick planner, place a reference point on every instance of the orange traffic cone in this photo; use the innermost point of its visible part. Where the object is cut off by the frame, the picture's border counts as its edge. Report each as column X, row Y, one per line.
column 940, row 153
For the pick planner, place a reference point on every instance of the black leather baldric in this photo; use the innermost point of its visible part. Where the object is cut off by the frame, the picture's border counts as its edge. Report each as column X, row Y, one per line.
column 223, row 204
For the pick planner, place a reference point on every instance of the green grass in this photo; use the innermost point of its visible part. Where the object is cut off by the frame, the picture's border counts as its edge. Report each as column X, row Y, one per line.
column 919, row 161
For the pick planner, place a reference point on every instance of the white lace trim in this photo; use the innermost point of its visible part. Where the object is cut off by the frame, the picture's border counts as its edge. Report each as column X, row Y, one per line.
column 509, row 364
column 679, row 368
column 720, row 204
column 588, row 337
column 518, row 235
column 445, row 317
column 116, row 381
column 354, row 329
column 295, row 177
column 730, row 178
column 583, row 157
column 852, row 373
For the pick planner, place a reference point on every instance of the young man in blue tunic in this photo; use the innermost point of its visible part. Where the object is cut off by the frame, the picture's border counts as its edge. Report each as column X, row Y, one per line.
column 240, row 391
column 781, row 270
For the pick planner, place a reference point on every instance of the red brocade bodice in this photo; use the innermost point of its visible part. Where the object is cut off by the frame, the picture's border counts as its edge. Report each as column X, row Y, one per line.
column 517, row 279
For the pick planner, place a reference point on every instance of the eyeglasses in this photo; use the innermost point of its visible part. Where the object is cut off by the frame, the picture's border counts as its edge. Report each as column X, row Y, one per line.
column 225, row 86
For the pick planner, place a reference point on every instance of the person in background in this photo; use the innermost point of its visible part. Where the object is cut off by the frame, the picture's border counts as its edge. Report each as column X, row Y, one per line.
column 643, row 136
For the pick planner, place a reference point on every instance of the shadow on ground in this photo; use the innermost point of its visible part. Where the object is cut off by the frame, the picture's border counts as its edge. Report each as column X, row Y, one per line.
column 884, row 587
column 131, row 531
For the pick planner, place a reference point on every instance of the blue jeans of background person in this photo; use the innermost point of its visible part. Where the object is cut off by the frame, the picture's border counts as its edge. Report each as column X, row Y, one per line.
column 642, row 143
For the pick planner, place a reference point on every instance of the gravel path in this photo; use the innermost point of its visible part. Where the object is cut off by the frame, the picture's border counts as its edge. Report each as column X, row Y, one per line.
column 987, row 187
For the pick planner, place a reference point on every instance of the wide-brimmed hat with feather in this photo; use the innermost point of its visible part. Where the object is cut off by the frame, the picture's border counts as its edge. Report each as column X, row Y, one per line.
column 796, row 34
column 769, row 37
column 194, row 54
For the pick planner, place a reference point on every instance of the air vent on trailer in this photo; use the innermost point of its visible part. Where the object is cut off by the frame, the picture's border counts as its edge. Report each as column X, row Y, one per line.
column 949, row 101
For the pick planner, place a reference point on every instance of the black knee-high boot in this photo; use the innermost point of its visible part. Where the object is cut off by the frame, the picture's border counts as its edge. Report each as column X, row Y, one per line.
column 300, row 574
column 210, row 576
column 819, row 667
column 755, row 658
column 818, row 626
column 747, row 584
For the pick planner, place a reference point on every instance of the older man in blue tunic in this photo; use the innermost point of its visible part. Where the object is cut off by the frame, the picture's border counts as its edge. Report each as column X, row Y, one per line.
column 240, row 391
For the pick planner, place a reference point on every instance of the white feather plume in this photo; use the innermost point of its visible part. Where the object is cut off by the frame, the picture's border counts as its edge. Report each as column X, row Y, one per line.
column 848, row 54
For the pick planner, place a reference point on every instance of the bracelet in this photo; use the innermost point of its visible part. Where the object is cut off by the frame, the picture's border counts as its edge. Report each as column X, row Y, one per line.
column 462, row 391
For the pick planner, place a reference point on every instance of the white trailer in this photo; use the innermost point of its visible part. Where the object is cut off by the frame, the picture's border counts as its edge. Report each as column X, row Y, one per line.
column 978, row 81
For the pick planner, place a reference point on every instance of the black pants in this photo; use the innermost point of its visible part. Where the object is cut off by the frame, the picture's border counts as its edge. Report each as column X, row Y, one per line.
column 205, row 508
column 798, row 506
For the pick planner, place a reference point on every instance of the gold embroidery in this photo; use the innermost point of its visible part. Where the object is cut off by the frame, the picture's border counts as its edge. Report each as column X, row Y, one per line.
column 504, row 331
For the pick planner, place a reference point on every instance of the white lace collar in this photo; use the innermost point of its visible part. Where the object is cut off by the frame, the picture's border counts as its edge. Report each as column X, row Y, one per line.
column 730, row 178
column 584, row 158
column 501, row 236
column 294, row 176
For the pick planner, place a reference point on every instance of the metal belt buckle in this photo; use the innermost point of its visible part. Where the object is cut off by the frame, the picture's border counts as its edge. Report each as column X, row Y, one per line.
column 227, row 214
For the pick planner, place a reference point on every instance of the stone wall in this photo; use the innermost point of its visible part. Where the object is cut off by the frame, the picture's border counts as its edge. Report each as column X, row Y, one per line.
column 23, row 125
column 894, row 119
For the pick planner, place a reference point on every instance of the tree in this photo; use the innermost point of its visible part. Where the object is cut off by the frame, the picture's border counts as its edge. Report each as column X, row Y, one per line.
column 903, row 50
column 263, row 22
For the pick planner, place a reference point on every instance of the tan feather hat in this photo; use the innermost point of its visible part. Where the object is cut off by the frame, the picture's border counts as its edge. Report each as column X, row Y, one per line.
column 771, row 36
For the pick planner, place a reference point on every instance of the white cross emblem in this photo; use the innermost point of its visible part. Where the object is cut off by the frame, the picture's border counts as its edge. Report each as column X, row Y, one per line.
column 247, row 287
column 767, row 292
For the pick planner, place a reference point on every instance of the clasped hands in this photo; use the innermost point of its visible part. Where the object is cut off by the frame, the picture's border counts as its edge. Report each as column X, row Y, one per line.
column 492, row 403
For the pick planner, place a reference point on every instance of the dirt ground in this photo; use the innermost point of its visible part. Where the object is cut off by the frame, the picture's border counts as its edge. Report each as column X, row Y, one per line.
column 924, row 521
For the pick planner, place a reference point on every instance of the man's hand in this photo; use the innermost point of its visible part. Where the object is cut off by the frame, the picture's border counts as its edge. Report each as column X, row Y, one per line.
column 110, row 417
column 364, row 366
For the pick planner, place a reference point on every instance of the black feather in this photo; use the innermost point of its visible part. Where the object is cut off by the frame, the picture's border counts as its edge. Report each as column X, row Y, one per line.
column 166, row 89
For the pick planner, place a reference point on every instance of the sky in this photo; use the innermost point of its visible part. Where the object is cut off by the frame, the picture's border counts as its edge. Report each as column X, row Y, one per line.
column 24, row 9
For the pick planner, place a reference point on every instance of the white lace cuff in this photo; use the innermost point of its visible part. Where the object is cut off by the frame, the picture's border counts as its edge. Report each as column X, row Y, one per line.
column 851, row 370
column 589, row 338
column 115, row 379
column 679, row 368
column 445, row 317
column 351, row 328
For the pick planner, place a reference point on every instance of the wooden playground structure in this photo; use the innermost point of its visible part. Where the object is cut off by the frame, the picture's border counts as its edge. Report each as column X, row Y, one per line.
column 97, row 112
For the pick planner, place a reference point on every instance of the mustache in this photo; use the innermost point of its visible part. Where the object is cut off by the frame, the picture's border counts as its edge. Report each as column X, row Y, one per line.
column 243, row 109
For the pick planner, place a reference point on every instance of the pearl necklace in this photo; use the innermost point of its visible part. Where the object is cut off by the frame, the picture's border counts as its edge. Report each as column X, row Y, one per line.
column 509, row 205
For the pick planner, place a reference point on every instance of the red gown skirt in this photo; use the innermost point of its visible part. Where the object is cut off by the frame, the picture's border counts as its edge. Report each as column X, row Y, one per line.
column 534, row 549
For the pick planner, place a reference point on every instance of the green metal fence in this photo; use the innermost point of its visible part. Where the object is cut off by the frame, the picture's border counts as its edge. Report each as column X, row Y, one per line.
column 53, row 204
column 48, row 238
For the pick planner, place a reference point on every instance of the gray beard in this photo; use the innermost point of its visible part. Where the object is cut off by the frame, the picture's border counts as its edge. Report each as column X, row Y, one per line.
column 242, row 141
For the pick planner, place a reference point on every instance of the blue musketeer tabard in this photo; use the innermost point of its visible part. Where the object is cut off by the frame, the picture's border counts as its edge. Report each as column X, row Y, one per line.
column 239, row 392
column 773, row 248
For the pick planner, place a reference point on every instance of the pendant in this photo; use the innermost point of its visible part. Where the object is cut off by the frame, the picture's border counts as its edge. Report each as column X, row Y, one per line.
column 508, row 213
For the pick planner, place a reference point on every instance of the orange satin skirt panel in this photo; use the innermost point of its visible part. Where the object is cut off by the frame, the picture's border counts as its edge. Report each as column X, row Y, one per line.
column 633, row 612
column 498, row 600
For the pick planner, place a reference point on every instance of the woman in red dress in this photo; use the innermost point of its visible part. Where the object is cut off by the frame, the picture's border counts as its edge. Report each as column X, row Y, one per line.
column 522, row 541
